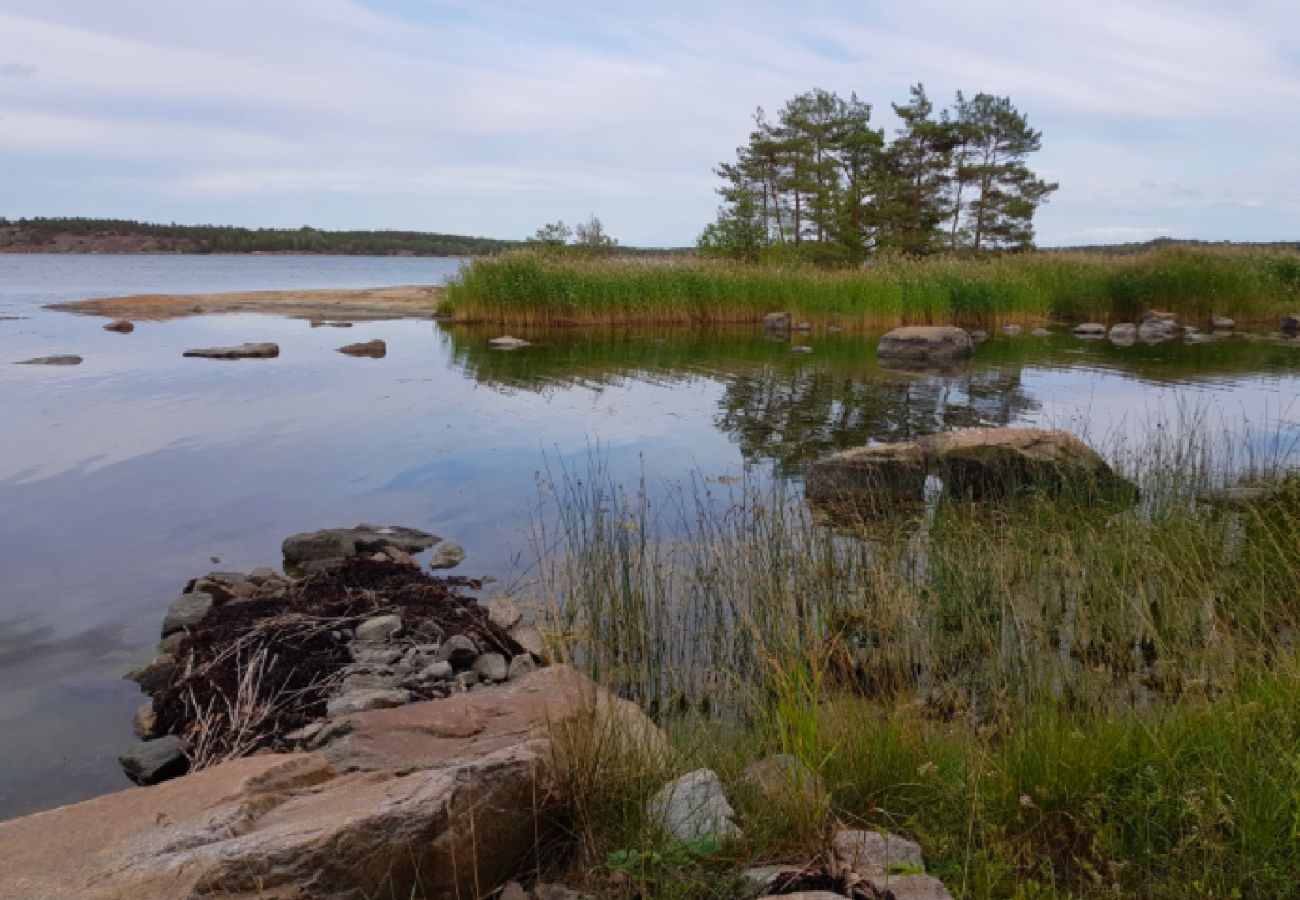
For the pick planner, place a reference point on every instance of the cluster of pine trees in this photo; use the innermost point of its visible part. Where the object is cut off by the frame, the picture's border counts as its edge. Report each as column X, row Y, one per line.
column 820, row 184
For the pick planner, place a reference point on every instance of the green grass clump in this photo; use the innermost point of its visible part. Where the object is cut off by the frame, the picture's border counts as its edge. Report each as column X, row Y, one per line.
column 534, row 288
column 1055, row 700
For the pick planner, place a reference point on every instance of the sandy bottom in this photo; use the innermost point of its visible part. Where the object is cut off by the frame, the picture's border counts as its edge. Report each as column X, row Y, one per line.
column 403, row 301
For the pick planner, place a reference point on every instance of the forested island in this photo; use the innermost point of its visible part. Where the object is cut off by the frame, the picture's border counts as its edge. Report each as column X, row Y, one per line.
column 87, row 235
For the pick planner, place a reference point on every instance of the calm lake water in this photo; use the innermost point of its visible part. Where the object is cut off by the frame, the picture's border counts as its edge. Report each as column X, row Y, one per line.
column 121, row 478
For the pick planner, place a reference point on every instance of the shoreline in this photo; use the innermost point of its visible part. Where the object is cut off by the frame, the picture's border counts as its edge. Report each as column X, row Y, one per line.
column 393, row 302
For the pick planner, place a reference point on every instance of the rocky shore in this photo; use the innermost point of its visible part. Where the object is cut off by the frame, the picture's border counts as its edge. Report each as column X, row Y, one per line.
column 403, row 301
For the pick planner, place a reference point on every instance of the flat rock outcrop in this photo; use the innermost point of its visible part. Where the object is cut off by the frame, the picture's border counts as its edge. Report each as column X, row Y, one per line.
column 375, row 349
column 66, row 359
column 240, row 351
column 447, row 794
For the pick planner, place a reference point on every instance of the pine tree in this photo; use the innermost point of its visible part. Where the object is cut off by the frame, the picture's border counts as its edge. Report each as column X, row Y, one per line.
column 1007, row 193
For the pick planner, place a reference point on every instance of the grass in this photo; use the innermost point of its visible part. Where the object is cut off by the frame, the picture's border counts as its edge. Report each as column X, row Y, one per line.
column 529, row 288
column 1055, row 700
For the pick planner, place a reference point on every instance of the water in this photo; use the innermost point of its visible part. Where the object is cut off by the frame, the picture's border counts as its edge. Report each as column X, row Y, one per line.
column 122, row 477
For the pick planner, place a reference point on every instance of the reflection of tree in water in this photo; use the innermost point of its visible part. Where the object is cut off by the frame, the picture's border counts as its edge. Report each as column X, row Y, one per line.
column 792, row 415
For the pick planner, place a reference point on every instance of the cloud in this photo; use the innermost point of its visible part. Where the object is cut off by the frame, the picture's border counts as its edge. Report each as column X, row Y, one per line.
column 494, row 116
column 16, row 70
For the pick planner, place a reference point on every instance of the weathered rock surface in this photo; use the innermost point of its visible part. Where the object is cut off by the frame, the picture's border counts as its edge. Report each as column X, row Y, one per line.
column 63, row 360
column 363, row 700
column 908, row 887
column 447, row 795
column 447, row 556
column 693, row 806
column 375, row 349
column 187, row 612
column 121, row 326
column 508, row 342
column 925, row 344
column 876, row 853
column 870, row 477
column 341, row 543
column 994, row 462
column 242, row 351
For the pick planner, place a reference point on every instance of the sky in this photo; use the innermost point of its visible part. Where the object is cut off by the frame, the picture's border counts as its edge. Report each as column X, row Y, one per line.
column 491, row 118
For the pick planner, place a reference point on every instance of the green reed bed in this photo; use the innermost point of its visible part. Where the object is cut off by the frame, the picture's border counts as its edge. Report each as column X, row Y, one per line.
column 1056, row 700
column 531, row 288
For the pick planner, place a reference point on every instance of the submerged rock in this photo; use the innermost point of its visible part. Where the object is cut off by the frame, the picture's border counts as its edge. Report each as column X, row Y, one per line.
column 507, row 342
column 242, row 351
column 121, row 326
column 925, row 344
column 1088, row 330
column 64, row 360
column 375, row 349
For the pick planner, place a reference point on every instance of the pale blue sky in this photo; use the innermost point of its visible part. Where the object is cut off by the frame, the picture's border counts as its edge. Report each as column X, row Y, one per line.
column 491, row 118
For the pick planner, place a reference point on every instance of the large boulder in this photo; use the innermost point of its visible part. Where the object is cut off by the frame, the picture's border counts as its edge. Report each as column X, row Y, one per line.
column 980, row 463
column 878, row 477
column 450, row 796
column 340, row 543
column 925, row 344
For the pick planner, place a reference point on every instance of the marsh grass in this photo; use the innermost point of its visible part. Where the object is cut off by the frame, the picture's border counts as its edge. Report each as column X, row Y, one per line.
column 1056, row 700
column 528, row 288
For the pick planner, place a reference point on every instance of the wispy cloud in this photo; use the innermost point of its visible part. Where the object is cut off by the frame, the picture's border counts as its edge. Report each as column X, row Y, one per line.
column 489, row 117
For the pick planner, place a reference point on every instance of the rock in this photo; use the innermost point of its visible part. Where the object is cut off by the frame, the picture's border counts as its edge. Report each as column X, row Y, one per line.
column 340, row 543
column 1156, row 326
column 805, row 895
column 173, row 643
column 305, row 734
column 1123, row 333
column 520, row 666
column 513, row 891
column 121, row 326
column 693, row 806
column 459, row 650
column 1290, row 324
column 1198, row 337
column 186, row 612
column 491, row 667
column 908, row 887
column 506, row 342
column 360, row 701
column 1087, row 330
column 466, row 680
column 782, row 775
column 1222, row 323
column 242, row 351
column 375, row 349
column 871, row 478
column 545, row 891
column 436, row 799
column 776, row 321
column 64, row 360
column 145, row 722
column 437, row 671
column 503, row 613
column 529, row 636
column 763, row 877
column 263, row 574
column 801, row 349
column 155, row 676
column 925, row 344
column 447, row 556
column 379, row 629
column 876, row 853
column 156, row 761
column 369, row 681
column 375, row 656
column 803, row 326
column 1011, row 330
column 979, row 335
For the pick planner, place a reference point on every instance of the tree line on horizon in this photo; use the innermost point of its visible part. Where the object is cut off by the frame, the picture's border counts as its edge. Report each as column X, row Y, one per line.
column 819, row 184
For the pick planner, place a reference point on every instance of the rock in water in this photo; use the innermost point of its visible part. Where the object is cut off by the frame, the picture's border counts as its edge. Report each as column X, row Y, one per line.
column 340, row 543
column 871, row 478
column 447, row 556
column 380, row 628
column 152, row 762
column 693, row 806
column 925, row 344
column 1089, row 330
column 375, row 349
column 186, row 612
column 65, row 360
column 1222, row 323
column 776, row 321
column 507, row 342
column 242, row 351
column 1123, row 334
column 121, row 326
column 1290, row 324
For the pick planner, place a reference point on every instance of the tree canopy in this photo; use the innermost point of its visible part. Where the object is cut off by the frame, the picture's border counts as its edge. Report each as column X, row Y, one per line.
column 818, row 183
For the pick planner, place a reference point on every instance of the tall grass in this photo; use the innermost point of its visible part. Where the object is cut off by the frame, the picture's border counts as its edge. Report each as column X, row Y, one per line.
column 1056, row 700
column 530, row 289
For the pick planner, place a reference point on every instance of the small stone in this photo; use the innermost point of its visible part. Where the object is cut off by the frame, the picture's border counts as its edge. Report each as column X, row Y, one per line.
column 157, row 675
column 364, row 700
column 503, row 613
column 466, row 680
column 979, row 335
column 63, row 360
column 907, row 887
column 1222, row 323
column 507, row 342
column 305, row 734
column 776, row 321
column 263, row 574
column 381, row 655
column 491, row 667
column 1123, row 333
column 121, row 326
column 693, row 806
column 803, row 326
column 429, row 630
column 145, row 722
column 1043, row 332
column 151, row 762
column 447, row 556
column 1011, row 329
column 520, row 666
column 513, row 891
column 380, row 628
column 186, row 612
column 801, row 349
column 242, row 351
column 875, row 853
column 173, row 643
column 459, row 650
column 369, row 681
column 529, row 636
column 437, row 671
column 375, row 349
column 1087, row 329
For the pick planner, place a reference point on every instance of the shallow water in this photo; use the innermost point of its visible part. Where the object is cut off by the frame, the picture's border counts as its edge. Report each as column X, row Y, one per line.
column 122, row 477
